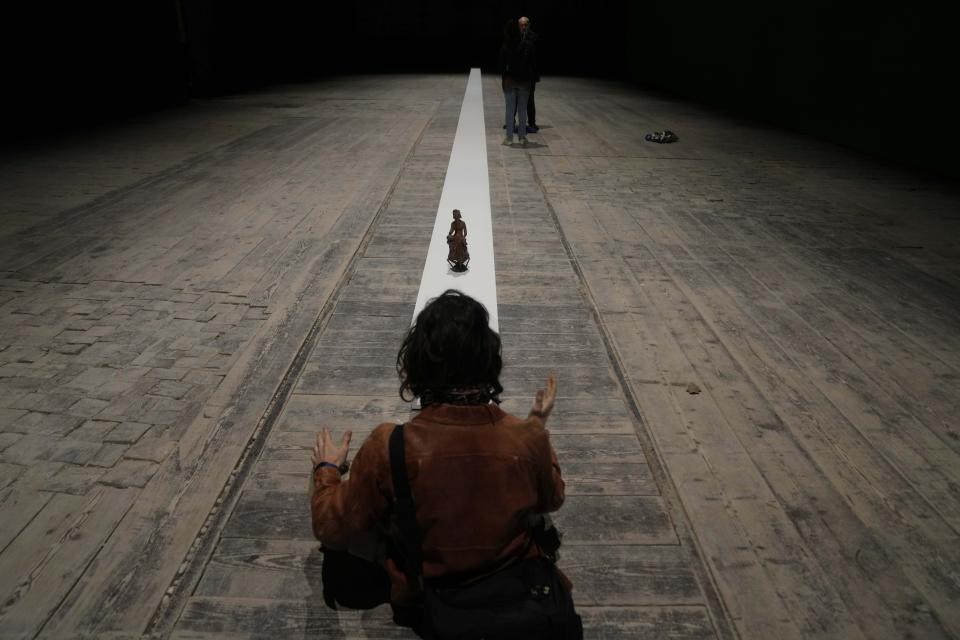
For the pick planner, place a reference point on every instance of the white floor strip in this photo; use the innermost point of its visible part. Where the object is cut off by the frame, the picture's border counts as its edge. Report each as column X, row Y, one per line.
column 467, row 188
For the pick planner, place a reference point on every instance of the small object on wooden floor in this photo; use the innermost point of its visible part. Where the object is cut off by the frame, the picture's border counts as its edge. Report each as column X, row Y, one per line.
column 458, row 257
column 693, row 388
column 662, row 137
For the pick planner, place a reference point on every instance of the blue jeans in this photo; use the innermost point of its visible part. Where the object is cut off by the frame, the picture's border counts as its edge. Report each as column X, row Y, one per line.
column 516, row 103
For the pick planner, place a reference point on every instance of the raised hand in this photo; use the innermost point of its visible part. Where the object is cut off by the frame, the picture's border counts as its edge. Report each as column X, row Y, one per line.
column 325, row 450
column 543, row 404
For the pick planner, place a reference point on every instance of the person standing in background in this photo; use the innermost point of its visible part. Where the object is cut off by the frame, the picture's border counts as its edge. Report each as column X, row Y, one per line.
column 518, row 64
column 529, row 35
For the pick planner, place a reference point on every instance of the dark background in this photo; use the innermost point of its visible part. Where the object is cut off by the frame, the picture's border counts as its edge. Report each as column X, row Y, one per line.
column 877, row 78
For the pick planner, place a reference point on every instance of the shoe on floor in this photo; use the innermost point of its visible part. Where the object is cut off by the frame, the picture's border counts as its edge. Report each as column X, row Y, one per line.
column 532, row 128
column 523, row 142
column 507, row 142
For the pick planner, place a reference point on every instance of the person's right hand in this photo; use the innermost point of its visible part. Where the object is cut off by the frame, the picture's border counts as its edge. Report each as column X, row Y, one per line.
column 543, row 404
column 326, row 450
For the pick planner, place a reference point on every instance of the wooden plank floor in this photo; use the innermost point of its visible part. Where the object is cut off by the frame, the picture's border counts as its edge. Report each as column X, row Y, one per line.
column 154, row 293
column 812, row 297
column 621, row 544
column 757, row 338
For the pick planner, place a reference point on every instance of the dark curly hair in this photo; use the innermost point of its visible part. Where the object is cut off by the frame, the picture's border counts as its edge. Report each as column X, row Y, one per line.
column 450, row 351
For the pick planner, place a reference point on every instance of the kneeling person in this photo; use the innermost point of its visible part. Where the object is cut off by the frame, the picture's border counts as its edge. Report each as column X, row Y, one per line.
column 480, row 478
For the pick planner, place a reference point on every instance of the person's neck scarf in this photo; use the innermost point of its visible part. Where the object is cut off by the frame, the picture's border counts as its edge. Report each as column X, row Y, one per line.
column 462, row 396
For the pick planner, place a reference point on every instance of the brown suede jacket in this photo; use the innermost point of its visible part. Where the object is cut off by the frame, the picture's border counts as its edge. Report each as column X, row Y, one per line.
column 477, row 474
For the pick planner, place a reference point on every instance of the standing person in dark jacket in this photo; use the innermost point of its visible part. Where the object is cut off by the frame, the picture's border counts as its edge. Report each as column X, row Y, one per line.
column 528, row 34
column 518, row 64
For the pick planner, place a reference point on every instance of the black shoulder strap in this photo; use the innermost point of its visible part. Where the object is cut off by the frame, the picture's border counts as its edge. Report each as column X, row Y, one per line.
column 406, row 515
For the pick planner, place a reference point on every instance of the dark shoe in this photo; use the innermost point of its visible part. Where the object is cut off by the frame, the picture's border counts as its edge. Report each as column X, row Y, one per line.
column 532, row 128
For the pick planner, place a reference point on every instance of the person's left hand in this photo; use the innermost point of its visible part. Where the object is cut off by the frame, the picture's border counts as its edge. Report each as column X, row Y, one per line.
column 325, row 450
column 545, row 399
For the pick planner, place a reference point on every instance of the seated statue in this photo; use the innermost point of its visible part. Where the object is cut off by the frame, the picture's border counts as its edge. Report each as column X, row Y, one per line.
column 458, row 258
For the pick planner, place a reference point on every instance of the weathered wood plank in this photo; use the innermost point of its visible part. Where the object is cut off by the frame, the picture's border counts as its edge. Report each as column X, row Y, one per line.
column 348, row 379
column 393, row 321
column 595, row 382
column 352, row 313
column 290, row 474
column 598, row 448
column 20, row 504
column 291, row 570
column 370, row 341
column 185, row 488
column 658, row 371
column 673, row 622
column 729, row 547
column 576, row 414
column 908, row 447
column 920, row 383
column 615, row 520
column 255, row 619
column 593, row 478
column 556, row 341
column 859, row 471
column 603, row 449
column 769, row 529
column 309, row 412
column 214, row 618
column 923, row 320
column 45, row 561
column 893, row 588
column 638, row 575
column 918, row 454
column 271, row 515
column 271, row 569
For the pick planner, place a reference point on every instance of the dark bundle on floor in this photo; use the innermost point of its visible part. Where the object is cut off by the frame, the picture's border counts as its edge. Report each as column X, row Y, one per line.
column 662, row 137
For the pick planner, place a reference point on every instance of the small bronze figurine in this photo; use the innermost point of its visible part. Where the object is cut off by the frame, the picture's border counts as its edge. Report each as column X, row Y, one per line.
column 458, row 257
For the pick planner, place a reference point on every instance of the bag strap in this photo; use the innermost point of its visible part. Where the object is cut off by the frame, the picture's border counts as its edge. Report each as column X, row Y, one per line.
column 406, row 515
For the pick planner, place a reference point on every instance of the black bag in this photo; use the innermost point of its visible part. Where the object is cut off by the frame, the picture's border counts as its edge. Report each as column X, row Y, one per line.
column 352, row 582
column 525, row 600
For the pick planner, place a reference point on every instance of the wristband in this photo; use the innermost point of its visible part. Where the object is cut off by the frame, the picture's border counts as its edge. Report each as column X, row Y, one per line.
column 342, row 469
